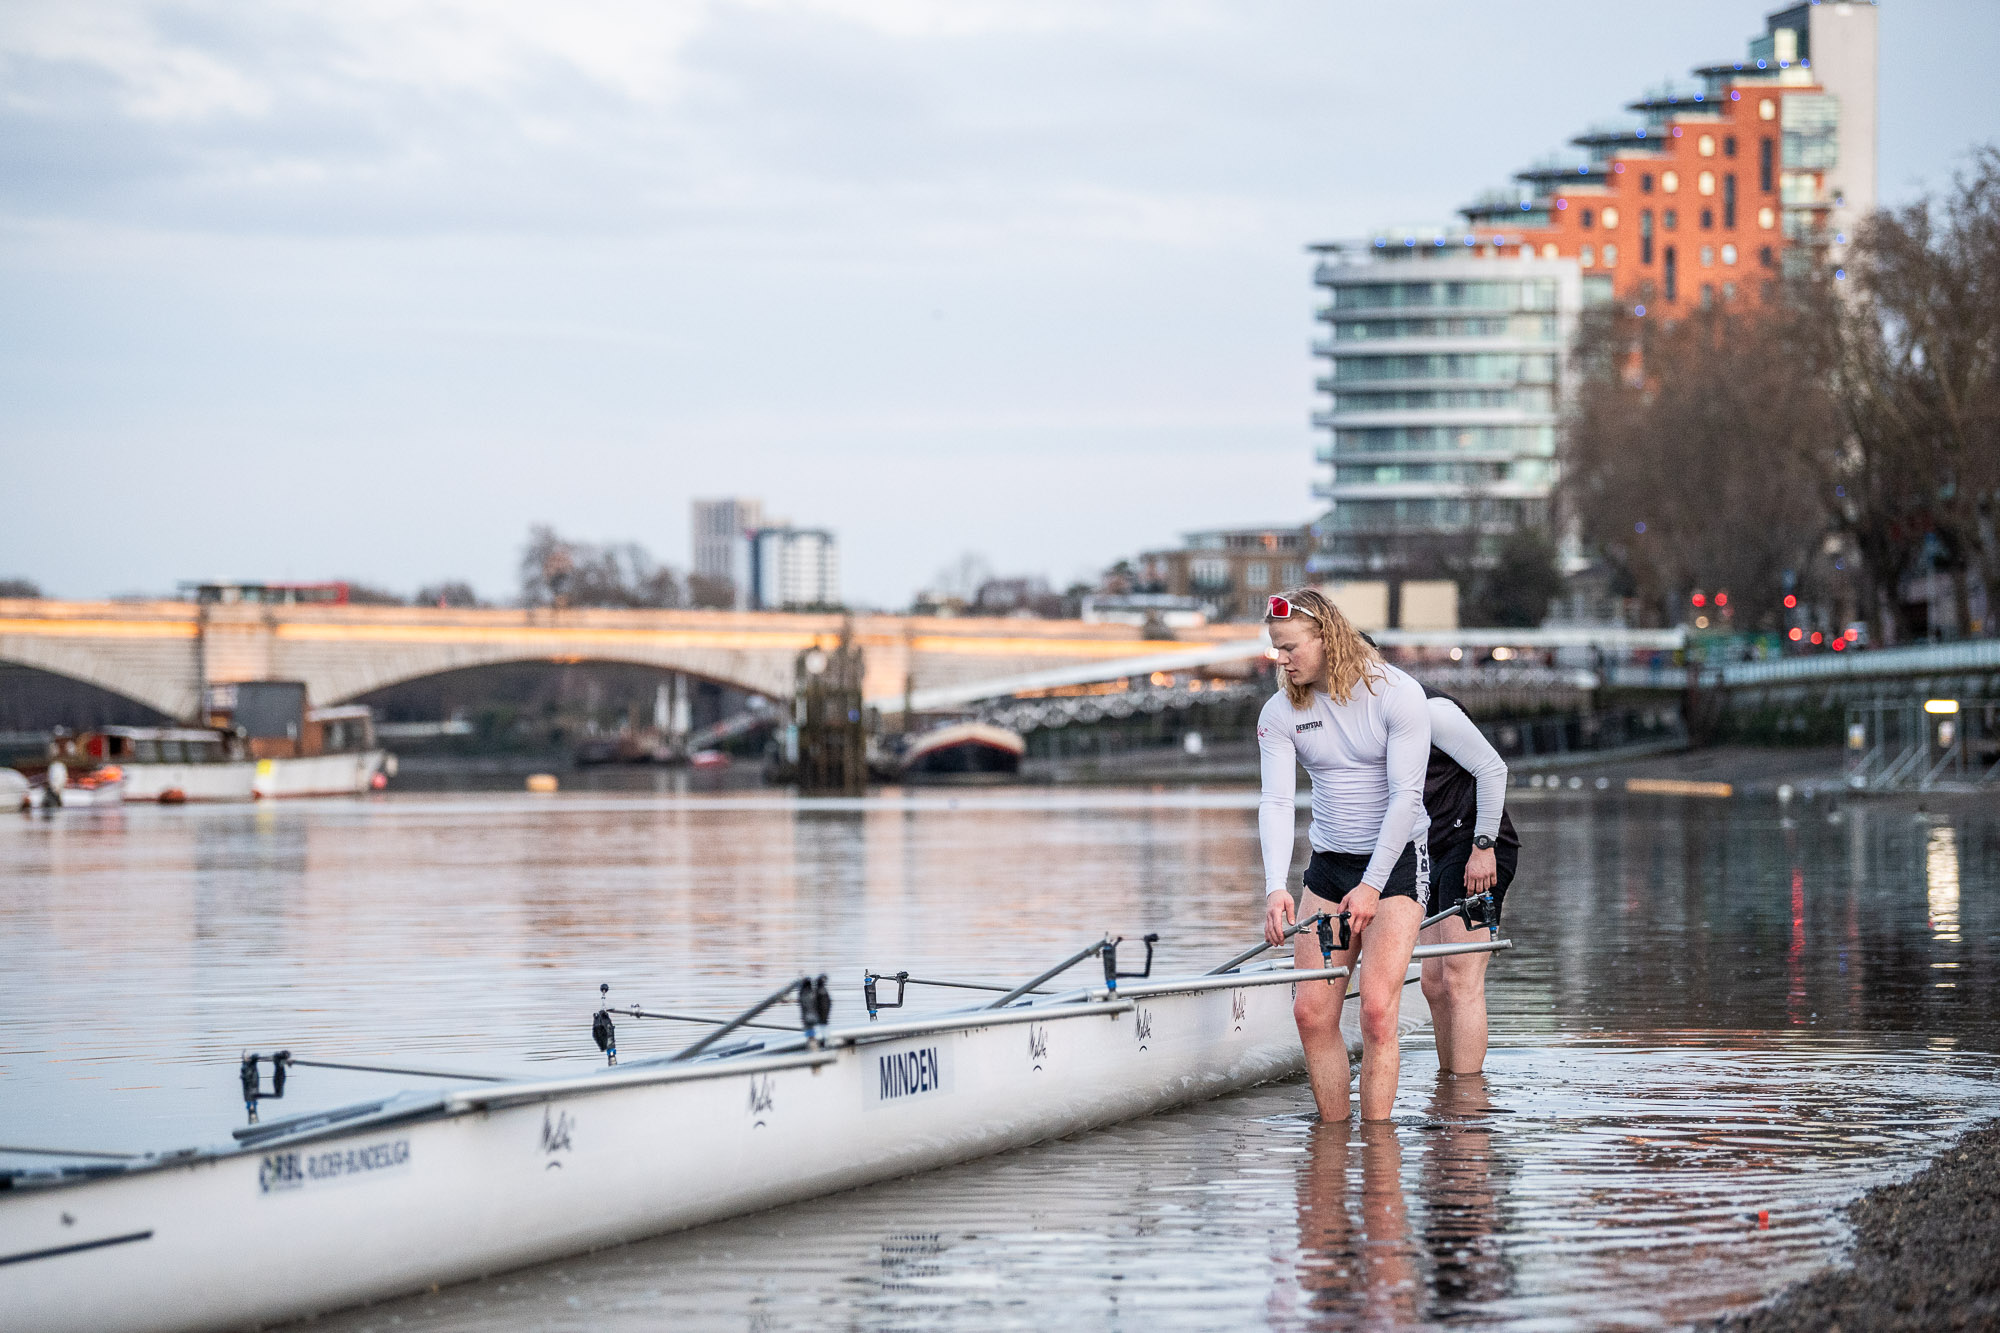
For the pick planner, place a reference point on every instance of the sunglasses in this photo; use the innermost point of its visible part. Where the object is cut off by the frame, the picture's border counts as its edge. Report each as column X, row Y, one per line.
column 1282, row 608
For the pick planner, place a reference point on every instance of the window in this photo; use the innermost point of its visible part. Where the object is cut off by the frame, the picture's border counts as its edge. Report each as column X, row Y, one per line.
column 1610, row 219
column 1294, row 576
column 1767, row 110
column 1706, row 145
column 1729, row 145
column 1611, row 256
column 1645, row 235
column 1764, row 257
column 1256, row 574
column 1729, row 254
column 1707, row 219
column 1708, row 256
column 1811, row 126
column 1586, row 219
column 1767, row 217
column 1671, row 274
column 1729, row 291
column 1670, row 182
column 1670, row 219
column 1209, row 574
column 1707, row 295
column 1646, row 182
column 1729, row 199
column 1767, row 161
column 1705, row 182
column 1549, row 250
column 1586, row 256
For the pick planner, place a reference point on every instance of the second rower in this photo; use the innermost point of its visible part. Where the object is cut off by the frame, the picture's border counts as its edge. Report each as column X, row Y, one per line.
column 1474, row 850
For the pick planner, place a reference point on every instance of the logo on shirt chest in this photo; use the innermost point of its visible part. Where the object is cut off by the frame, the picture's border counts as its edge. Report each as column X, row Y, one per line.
column 1314, row 725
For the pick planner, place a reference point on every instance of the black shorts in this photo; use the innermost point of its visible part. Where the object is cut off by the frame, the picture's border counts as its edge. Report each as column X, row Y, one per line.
column 1448, row 873
column 1333, row 875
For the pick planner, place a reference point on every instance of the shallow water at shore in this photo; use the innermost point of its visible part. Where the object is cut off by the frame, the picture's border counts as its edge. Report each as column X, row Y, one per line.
column 1714, row 1009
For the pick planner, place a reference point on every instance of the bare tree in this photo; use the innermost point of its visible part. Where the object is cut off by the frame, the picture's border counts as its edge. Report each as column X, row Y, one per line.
column 367, row 594
column 556, row 571
column 452, row 592
column 1687, row 459
column 1909, row 345
column 711, row 591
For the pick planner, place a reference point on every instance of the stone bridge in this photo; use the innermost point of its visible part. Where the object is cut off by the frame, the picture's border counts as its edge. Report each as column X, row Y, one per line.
column 164, row 653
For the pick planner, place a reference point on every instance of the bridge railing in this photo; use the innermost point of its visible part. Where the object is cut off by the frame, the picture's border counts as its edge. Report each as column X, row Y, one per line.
column 1917, row 660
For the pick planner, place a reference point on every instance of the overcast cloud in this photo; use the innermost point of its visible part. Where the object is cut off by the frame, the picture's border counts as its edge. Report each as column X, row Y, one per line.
column 362, row 289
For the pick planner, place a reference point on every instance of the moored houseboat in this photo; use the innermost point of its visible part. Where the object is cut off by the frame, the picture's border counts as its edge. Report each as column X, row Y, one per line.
column 263, row 742
column 964, row 750
column 174, row 763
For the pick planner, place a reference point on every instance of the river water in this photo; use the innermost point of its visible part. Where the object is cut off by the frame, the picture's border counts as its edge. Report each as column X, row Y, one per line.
column 1714, row 1010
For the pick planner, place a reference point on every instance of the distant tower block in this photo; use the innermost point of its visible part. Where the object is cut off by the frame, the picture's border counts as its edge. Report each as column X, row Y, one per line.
column 722, row 541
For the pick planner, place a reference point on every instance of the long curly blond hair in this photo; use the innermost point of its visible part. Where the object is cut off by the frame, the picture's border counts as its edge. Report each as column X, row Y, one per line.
column 1350, row 660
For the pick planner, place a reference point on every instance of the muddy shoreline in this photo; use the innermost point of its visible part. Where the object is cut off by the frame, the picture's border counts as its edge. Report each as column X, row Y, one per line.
column 1926, row 1255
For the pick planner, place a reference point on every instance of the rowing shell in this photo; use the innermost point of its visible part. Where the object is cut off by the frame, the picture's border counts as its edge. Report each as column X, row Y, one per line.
column 383, row 1198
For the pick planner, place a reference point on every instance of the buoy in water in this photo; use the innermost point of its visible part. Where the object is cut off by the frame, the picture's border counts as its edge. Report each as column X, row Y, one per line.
column 173, row 796
column 541, row 782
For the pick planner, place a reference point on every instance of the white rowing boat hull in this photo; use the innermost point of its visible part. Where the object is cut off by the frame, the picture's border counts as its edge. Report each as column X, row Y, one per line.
column 506, row 1175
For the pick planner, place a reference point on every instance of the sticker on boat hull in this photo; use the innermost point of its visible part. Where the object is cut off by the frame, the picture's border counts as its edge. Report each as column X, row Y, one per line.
column 910, row 1073
column 555, row 1136
column 282, row 1172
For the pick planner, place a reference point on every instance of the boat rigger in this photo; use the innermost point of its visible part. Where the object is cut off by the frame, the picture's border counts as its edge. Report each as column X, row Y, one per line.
column 400, row 1193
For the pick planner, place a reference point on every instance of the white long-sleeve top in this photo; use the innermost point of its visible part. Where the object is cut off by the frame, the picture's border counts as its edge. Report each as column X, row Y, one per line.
column 1366, row 760
column 1459, row 737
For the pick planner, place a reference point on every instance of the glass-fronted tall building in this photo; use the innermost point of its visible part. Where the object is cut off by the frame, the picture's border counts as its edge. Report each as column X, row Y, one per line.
column 1447, row 348
column 1445, row 373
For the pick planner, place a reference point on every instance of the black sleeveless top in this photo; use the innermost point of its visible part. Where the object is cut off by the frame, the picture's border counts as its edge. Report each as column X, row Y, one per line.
column 1451, row 799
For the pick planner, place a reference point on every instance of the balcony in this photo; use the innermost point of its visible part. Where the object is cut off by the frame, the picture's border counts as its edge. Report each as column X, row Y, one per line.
column 1625, row 138
column 1501, row 206
column 1547, row 176
column 1674, row 99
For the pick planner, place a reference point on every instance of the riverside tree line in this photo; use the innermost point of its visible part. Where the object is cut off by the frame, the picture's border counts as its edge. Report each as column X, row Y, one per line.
column 1835, row 446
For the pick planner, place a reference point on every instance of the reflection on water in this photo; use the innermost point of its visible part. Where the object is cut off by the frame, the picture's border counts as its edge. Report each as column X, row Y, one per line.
column 1711, row 1012
column 1941, row 880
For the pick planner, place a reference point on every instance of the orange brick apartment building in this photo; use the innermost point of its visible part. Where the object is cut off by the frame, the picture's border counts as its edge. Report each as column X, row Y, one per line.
column 1703, row 199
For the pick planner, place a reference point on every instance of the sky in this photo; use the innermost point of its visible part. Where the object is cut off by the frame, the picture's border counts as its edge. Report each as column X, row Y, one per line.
column 349, row 288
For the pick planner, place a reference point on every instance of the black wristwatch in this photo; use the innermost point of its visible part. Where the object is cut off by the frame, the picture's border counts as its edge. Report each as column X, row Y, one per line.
column 1482, row 842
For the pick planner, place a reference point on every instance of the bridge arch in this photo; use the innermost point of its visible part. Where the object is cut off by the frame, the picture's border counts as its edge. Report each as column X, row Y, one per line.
column 157, row 675
column 341, row 682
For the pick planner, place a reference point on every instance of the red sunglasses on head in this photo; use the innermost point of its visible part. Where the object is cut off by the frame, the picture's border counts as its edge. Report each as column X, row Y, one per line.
column 1282, row 609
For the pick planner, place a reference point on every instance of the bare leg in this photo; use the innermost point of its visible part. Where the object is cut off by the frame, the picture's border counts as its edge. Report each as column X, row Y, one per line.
column 1316, row 1006
column 1456, row 989
column 1385, row 962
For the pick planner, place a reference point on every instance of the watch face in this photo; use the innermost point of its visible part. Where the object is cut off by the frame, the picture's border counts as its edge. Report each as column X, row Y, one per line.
column 1483, row 843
